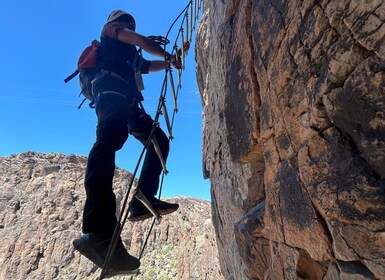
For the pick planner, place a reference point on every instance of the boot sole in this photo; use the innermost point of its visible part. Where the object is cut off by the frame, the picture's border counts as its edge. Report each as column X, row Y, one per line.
column 147, row 215
column 112, row 272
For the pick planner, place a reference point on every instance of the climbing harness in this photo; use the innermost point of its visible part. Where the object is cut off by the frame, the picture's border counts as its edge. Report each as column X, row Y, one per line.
column 188, row 19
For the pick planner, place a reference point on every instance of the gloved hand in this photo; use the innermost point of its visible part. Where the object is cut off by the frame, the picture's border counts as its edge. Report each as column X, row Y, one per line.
column 175, row 59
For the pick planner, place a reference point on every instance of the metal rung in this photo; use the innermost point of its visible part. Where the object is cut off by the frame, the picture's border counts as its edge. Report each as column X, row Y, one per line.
column 139, row 195
column 195, row 13
column 182, row 49
column 187, row 23
column 191, row 19
column 179, row 80
column 174, row 97
column 158, row 152
column 165, row 114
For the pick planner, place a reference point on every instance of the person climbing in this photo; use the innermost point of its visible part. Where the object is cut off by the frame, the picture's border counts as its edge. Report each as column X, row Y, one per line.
column 120, row 113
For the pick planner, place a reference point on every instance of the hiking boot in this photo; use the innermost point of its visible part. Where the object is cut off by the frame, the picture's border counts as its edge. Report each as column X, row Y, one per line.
column 122, row 263
column 92, row 247
column 139, row 212
column 95, row 249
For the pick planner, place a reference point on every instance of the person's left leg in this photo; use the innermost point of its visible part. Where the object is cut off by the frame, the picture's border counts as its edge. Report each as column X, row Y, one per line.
column 99, row 216
column 151, row 169
column 141, row 127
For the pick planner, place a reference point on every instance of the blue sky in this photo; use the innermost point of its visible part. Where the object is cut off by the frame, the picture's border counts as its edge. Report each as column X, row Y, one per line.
column 40, row 43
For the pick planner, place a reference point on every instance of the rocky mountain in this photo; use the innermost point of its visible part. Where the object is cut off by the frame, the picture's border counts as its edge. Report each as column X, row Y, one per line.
column 41, row 201
column 294, row 136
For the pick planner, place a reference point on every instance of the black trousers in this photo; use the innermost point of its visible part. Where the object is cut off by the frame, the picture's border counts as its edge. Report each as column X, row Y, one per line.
column 118, row 116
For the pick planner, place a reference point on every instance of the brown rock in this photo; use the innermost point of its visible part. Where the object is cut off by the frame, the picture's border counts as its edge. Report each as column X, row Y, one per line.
column 41, row 202
column 294, row 115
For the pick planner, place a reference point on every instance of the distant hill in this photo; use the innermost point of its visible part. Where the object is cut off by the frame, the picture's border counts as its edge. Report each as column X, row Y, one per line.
column 41, row 201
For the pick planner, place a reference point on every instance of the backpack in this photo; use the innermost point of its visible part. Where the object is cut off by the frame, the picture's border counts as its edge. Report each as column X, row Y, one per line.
column 86, row 68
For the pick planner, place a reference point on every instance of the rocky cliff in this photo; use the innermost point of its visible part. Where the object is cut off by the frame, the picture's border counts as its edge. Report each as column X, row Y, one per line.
column 294, row 136
column 41, row 201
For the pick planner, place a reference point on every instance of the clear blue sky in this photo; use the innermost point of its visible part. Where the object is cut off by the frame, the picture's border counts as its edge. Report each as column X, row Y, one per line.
column 40, row 44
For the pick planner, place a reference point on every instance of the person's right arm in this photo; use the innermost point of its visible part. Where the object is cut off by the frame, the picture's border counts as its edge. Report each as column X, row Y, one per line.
column 131, row 37
column 128, row 36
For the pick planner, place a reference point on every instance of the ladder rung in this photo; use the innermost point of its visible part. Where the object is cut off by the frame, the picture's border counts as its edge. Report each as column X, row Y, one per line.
column 139, row 195
column 158, row 152
column 167, row 119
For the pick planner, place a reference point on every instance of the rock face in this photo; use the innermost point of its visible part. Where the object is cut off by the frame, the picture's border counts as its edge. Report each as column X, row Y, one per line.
column 41, row 201
column 294, row 136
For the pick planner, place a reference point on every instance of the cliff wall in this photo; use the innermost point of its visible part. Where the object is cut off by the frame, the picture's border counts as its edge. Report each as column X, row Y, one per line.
column 294, row 136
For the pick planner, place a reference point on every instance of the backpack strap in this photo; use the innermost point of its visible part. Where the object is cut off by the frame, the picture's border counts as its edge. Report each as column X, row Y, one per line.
column 92, row 104
column 70, row 77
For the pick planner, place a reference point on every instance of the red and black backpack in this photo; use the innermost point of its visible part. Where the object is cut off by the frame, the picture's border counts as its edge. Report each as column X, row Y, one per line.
column 87, row 67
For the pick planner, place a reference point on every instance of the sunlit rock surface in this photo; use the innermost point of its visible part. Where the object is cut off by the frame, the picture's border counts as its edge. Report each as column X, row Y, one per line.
column 294, row 136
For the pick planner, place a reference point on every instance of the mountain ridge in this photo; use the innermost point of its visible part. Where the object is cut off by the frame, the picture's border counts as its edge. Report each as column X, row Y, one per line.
column 41, row 203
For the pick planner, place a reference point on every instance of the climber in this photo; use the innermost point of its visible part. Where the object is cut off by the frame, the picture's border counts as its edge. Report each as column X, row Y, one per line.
column 120, row 113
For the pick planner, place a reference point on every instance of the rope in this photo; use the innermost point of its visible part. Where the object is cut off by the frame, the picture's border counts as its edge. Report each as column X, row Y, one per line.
column 189, row 22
